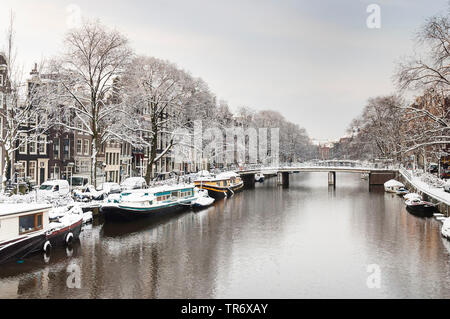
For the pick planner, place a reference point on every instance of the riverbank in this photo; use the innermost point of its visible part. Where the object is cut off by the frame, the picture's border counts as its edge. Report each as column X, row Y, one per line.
column 431, row 193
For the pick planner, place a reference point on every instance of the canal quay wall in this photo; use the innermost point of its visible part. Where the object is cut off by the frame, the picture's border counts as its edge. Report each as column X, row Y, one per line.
column 428, row 194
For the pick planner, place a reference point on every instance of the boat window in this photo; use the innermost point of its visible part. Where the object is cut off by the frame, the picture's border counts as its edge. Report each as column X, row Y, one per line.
column 30, row 223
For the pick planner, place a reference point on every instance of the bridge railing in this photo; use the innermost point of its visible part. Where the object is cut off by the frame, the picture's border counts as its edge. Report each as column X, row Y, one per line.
column 318, row 163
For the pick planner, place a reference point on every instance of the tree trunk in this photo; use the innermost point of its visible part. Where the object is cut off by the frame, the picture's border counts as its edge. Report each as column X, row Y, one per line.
column 94, row 163
column 151, row 160
column 5, row 170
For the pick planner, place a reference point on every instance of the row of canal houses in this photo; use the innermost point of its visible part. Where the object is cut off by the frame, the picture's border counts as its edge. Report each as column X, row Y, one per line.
column 61, row 153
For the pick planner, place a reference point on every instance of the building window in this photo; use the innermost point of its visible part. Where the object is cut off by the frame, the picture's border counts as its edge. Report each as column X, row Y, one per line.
column 56, row 148
column 32, row 170
column 30, row 223
column 32, row 146
column 42, row 145
column 79, row 146
column 2, row 102
column 55, row 172
column 66, row 149
column 22, row 143
column 1, row 80
column 86, row 147
column 21, row 169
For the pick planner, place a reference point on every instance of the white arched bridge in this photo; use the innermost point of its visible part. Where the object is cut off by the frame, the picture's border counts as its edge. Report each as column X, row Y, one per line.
column 377, row 172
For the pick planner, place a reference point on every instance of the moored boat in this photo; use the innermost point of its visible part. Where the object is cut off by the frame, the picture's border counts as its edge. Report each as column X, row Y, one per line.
column 202, row 199
column 392, row 186
column 419, row 207
column 221, row 185
column 142, row 203
column 259, row 177
column 445, row 230
column 411, row 196
column 26, row 229
column 402, row 191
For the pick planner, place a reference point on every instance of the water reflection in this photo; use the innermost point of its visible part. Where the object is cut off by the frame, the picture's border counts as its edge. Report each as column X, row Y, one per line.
column 309, row 240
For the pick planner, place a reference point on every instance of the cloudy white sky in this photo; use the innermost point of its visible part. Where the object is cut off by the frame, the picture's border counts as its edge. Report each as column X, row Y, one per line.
column 314, row 61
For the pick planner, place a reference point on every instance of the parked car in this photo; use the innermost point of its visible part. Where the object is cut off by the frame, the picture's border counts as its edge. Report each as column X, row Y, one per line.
column 445, row 173
column 433, row 168
column 109, row 188
column 54, row 188
column 133, row 183
column 88, row 193
column 78, row 182
column 447, row 187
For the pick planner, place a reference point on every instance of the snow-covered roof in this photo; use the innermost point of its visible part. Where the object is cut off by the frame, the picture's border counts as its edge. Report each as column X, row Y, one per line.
column 220, row 176
column 159, row 189
column 227, row 174
column 18, row 208
column 392, row 183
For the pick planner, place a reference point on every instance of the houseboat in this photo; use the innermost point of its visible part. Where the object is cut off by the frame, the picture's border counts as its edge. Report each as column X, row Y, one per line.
column 25, row 229
column 141, row 203
column 220, row 185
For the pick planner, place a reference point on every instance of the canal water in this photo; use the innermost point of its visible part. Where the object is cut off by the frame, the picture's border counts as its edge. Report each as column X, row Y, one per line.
column 307, row 241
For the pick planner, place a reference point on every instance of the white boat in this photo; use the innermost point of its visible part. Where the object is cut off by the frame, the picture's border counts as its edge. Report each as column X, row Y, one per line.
column 445, row 230
column 202, row 199
column 259, row 177
column 412, row 196
column 402, row 191
column 392, row 186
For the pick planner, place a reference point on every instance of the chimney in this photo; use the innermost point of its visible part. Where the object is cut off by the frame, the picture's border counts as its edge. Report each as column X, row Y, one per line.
column 34, row 72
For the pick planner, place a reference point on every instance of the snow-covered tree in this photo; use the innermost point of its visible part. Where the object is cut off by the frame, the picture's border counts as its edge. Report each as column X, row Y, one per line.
column 85, row 77
column 159, row 100
column 429, row 75
column 23, row 111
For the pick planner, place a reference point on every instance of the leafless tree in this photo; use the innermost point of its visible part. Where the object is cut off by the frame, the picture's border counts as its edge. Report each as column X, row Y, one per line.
column 95, row 57
column 23, row 111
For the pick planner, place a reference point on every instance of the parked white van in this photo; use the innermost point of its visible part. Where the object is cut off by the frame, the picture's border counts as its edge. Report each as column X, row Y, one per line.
column 54, row 188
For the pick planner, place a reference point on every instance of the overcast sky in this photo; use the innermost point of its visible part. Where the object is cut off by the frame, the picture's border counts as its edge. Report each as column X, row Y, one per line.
column 316, row 62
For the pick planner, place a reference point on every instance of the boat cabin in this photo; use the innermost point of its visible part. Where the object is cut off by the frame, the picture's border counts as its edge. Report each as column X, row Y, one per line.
column 174, row 194
column 22, row 219
column 220, row 180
